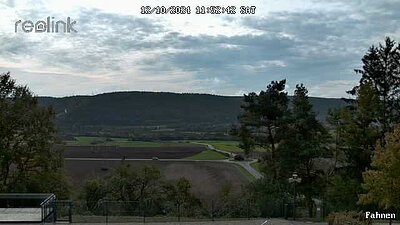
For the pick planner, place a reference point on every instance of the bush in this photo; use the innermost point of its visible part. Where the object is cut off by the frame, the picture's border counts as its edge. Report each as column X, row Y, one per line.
column 346, row 218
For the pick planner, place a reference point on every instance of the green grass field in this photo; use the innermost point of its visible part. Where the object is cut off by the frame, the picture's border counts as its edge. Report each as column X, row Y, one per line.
column 256, row 166
column 121, row 142
column 208, row 155
column 229, row 146
column 244, row 172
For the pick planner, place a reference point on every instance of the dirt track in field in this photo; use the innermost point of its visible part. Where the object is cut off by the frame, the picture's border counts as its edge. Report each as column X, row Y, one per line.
column 168, row 152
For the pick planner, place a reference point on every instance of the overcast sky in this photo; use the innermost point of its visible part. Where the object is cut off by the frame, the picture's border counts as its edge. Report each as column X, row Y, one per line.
column 315, row 42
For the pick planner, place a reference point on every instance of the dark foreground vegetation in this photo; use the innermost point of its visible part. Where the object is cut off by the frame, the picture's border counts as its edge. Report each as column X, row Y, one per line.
column 360, row 145
column 349, row 163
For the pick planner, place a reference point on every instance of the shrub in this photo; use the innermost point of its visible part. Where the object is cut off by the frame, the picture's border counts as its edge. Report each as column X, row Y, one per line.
column 345, row 218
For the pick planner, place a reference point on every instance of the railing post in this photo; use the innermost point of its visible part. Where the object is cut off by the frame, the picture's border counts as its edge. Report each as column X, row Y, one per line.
column 179, row 212
column 212, row 210
column 143, row 206
column 70, row 211
column 106, row 210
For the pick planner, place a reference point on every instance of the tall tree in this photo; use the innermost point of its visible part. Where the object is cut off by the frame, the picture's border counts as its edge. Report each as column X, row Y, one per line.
column 262, row 118
column 304, row 141
column 29, row 161
column 381, row 68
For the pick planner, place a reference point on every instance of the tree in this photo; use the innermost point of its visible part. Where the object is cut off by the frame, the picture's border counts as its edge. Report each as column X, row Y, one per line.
column 303, row 142
column 381, row 68
column 94, row 190
column 359, row 129
column 262, row 119
column 382, row 181
column 183, row 201
column 126, row 184
column 29, row 161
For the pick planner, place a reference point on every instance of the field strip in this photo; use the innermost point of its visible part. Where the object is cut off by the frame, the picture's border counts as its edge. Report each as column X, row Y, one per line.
column 245, row 164
column 158, row 160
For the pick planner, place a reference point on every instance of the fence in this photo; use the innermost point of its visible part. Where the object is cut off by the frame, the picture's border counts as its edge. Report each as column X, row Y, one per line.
column 106, row 211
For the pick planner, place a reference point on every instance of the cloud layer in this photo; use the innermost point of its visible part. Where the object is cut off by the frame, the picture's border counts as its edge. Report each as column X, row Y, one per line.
column 317, row 43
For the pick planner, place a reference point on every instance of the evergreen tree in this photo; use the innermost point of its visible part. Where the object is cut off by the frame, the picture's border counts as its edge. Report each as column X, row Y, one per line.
column 261, row 121
column 304, row 142
column 381, row 68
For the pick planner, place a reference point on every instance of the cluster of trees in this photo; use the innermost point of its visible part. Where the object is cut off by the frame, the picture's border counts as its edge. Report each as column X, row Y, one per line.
column 296, row 141
column 143, row 189
column 293, row 137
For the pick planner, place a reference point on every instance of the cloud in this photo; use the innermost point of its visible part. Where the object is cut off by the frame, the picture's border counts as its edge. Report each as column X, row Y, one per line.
column 317, row 43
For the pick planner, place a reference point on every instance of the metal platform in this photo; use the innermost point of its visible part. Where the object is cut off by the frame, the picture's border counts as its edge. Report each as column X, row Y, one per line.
column 27, row 208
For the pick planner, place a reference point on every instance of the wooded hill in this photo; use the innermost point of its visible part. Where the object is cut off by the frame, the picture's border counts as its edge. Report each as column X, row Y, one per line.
column 155, row 115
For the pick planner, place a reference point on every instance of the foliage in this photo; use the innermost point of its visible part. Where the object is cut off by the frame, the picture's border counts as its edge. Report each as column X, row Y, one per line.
column 350, row 218
column 141, row 188
column 261, row 121
column 381, row 68
column 232, row 203
column 382, row 181
column 29, row 161
column 303, row 142
column 269, row 195
column 126, row 184
column 94, row 191
column 179, row 197
column 342, row 193
column 357, row 129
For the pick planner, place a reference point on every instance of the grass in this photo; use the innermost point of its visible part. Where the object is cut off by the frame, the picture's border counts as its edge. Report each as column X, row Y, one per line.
column 246, row 174
column 121, row 142
column 256, row 166
column 229, row 146
column 207, row 155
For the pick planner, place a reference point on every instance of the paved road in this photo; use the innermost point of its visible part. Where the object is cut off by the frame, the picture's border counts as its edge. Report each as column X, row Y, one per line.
column 245, row 164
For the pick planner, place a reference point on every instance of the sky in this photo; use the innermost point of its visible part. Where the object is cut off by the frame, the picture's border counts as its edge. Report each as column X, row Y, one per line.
column 116, row 48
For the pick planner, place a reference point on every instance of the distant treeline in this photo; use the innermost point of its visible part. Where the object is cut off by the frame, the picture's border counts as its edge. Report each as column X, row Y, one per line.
column 155, row 115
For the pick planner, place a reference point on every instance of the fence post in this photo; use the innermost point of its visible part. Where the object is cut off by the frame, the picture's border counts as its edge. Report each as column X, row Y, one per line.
column 248, row 209
column 179, row 212
column 106, row 208
column 144, row 213
column 212, row 210
column 70, row 211
column 285, row 211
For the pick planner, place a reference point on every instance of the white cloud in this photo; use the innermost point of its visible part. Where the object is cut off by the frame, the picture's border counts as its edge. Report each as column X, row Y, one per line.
column 117, row 48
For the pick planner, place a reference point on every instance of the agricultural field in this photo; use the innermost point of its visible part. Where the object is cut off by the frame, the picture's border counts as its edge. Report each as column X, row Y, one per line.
column 120, row 142
column 116, row 152
column 208, row 155
column 89, row 157
column 207, row 178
